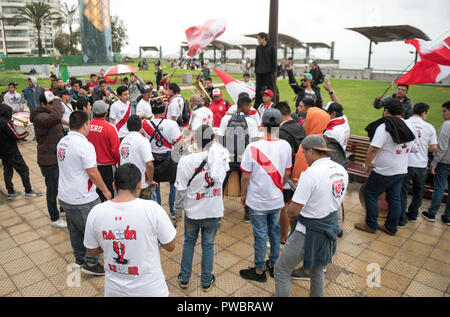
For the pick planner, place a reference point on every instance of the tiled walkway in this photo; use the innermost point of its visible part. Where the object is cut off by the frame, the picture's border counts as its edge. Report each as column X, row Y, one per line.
column 35, row 257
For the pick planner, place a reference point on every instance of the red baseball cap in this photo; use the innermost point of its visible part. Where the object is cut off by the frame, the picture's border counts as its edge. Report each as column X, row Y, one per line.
column 267, row 92
column 217, row 92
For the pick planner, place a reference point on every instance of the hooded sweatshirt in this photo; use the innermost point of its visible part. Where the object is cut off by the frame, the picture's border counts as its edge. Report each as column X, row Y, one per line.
column 8, row 135
column 315, row 124
column 31, row 95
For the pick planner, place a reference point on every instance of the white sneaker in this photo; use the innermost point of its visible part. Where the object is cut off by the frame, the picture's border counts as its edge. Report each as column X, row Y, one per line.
column 62, row 214
column 60, row 223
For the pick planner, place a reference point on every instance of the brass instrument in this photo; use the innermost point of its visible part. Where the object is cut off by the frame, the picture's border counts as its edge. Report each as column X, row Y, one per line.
column 202, row 91
column 84, row 92
column 113, row 97
column 163, row 98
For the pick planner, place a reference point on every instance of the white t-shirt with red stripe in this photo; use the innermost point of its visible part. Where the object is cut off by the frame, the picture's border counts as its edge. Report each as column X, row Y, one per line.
column 267, row 161
column 339, row 129
column 262, row 108
column 135, row 149
column 175, row 107
column 201, row 116
column 253, row 114
column 75, row 155
column 170, row 131
column 120, row 112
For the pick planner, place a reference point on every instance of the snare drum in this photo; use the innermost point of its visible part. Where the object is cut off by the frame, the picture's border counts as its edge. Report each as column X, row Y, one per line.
column 21, row 122
column 233, row 188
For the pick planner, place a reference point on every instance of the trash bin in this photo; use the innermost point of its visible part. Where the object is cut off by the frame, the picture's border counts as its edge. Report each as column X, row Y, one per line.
column 187, row 79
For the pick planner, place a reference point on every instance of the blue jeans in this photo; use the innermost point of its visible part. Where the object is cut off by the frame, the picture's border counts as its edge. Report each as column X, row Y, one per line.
column 76, row 223
column 416, row 176
column 191, row 229
column 263, row 223
column 133, row 108
column 51, row 175
column 156, row 196
column 375, row 186
column 441, row 180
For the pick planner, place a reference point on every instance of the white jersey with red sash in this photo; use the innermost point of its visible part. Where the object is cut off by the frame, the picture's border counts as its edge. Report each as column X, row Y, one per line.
column 267, row 162
column 168, row 134
column 262, row 108
column 339, row 129
column 120, row 112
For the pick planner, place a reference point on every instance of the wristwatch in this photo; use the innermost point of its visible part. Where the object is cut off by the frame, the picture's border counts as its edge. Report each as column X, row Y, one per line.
column 331, row 92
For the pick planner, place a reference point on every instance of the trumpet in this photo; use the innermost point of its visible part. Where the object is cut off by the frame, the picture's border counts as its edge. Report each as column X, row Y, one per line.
column 202, row 91
column 84, row 92
column 113, row 97
column 163, row 98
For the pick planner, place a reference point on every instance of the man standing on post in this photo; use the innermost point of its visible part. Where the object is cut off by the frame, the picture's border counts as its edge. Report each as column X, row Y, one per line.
column 103, row 135
column 266, row 165
column 320, row 192
column 391, row 143
column 120, row 112
column 418, row 163
column 49, row 131
column 400, row 95
column 78, row 180
column 265, row 66
column 440, row 168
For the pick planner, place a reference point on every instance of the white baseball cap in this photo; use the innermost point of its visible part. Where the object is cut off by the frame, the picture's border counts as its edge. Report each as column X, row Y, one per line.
column 49, row 96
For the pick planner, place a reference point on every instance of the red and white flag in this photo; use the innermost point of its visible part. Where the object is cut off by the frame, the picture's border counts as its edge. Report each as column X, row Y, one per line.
column 438, row 53
column 434, row 66
column 199, row 37
column 234, row 87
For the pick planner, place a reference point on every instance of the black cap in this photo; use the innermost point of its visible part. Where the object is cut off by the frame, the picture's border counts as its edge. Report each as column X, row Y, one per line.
column 158, row 106
column 64, row 92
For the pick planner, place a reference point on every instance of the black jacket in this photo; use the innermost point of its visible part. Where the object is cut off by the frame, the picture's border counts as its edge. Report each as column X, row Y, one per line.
column 300, row 91
column 396, row 127
column 8, row 135
column 293, row 133
column 265, row 62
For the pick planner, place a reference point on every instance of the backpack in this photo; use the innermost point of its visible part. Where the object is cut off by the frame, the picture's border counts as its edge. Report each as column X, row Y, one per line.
column 236, row 138
column 185, row 116
column 297, row 139
column 339, row 155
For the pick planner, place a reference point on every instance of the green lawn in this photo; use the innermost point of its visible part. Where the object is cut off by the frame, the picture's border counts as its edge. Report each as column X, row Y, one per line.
column 356, row 96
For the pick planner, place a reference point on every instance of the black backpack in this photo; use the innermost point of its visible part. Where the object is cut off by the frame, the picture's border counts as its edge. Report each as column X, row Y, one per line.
column 236, row 138
column 185, row 116
column 339, row 155
column 296, row 137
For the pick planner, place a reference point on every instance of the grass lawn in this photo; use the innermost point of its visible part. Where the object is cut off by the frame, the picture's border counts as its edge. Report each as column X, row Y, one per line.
column 356, row 96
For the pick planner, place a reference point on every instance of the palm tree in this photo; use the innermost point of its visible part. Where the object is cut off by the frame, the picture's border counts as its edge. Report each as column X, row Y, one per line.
column 68, row 16
column 35, row 13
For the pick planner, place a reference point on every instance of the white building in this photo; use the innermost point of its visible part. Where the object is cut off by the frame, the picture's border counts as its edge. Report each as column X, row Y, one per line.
column 21, row 40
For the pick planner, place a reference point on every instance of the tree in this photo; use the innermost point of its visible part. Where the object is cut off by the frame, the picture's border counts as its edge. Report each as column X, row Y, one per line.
column 36, row 13
column 119, row 33
column 67, row 16
column 63, row 43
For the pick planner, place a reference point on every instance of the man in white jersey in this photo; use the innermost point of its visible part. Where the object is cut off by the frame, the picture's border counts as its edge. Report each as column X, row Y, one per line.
column 77, row 184
column 129, row 231
column 338, row 127
column 136, row 149
column 201, row 115
column 144, row 108
column 418, row 163
column 175, row 102
column 120, row 112
column 320, row 192
column 267, row 102
column 391, row 143
column 163, row 134
column 13, row 99
column 266, row 165
column 199, row 192
column 252, row 114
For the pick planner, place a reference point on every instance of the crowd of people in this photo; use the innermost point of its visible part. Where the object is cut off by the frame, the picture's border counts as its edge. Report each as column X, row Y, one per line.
column 105, row 153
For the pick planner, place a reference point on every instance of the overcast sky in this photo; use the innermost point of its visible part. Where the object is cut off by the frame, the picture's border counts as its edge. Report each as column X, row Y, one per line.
column 162, row 23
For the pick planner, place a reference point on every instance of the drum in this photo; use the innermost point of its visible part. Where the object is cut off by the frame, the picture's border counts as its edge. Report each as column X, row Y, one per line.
column 21, row 122
column 233, row 188
column 383, row 205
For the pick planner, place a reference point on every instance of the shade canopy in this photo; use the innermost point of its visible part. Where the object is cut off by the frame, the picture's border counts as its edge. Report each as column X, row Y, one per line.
column 315, row 45
column 149, row 48
column 392, row 33
column 284, row 40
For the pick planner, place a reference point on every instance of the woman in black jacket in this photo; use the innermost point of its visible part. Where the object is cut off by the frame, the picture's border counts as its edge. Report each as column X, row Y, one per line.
column 306, row 89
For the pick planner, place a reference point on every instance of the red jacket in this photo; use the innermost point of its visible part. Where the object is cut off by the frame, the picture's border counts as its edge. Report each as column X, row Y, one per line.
column 103, row 135
column 219, row 110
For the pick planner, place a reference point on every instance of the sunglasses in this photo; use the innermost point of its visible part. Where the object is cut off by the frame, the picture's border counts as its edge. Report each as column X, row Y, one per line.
column 304, row 80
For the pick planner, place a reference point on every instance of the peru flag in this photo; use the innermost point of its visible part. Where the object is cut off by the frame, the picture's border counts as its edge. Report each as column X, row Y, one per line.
column 234, row 87
column 425, row 72
column 199, row 37
column 438, row 53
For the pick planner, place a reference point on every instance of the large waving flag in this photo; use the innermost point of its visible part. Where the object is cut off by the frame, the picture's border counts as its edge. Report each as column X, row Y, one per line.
column 234, row 87
column 199, row 37
column 435, row 64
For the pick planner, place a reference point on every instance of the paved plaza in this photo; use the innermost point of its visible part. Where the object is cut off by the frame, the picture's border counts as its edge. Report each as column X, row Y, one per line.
column 35, row 258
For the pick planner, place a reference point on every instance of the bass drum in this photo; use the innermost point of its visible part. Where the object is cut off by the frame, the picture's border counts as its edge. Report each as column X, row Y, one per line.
column 233, row 188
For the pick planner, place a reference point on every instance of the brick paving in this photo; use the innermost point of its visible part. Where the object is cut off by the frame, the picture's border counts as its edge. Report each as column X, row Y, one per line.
column 35, row 258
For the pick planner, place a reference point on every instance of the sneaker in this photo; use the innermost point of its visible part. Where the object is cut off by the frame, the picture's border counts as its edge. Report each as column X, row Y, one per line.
column 300, row 274
column 96, row 270
column 207, row 288
column 282, row 245
column 402, row 225
column 79, row 262
column 341, row 234
column 250, row 274
column 269, row 268
column 33, row 194
column 410, row 218
column 184, row 284
column 13, row 195
column 446, row 221
column 60, row 223
column 428, row 216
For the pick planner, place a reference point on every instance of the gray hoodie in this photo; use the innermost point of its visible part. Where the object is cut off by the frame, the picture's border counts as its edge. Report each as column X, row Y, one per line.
column 442, row 155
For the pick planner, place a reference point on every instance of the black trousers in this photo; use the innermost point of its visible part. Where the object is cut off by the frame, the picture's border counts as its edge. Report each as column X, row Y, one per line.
column 263, row 82
column 16, row 162
column 107, row 173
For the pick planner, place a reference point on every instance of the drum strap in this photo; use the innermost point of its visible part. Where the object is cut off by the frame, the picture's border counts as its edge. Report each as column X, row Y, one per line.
column 197, row 171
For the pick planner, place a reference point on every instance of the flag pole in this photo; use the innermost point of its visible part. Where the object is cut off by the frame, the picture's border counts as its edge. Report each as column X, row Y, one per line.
column 395, row 79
